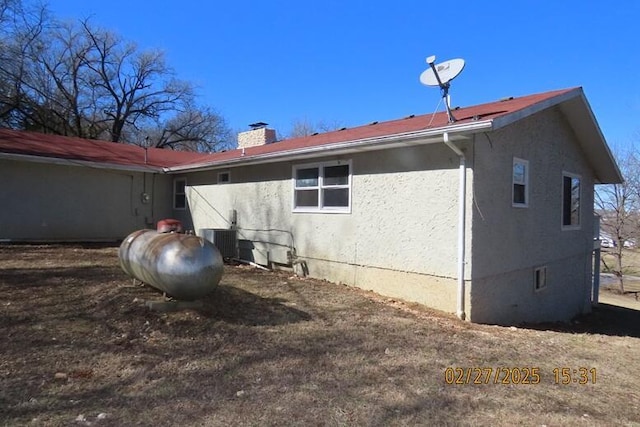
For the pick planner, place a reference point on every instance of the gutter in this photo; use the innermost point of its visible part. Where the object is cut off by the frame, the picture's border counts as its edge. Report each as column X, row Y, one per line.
column 425, row 136
column 462, row 202
column 73, row 162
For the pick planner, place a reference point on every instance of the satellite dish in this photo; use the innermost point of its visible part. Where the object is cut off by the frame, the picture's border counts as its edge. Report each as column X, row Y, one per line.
column 441, row 75
column 447, row 71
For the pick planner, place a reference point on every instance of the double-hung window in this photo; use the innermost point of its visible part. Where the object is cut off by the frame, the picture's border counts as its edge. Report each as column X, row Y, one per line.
column 570, row 201
column 520, row 187
column 322, row 187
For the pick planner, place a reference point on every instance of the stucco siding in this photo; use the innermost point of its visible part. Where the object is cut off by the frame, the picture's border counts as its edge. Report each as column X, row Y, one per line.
column 399, row 239
column 509, row 297
column 510, row 242
column 47, row 202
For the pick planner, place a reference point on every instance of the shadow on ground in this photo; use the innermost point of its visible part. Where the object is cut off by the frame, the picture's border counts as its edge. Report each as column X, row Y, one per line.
column 605, row 319
column 226, row 304
column 61, row 292
column 237, row 306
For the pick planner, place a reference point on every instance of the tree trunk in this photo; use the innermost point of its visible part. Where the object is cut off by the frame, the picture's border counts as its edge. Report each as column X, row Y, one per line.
column 618, row 270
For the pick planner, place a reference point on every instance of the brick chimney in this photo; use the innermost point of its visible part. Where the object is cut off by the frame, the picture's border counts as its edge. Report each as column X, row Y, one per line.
column 258, row 135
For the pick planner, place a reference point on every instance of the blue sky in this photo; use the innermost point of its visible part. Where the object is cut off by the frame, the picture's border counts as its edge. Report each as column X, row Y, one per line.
column 354, row 62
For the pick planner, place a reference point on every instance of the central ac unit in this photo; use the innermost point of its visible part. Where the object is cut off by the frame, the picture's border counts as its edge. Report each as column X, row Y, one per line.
column 224, row 239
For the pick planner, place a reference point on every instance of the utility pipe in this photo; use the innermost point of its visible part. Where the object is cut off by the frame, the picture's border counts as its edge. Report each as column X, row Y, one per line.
column 462, row 204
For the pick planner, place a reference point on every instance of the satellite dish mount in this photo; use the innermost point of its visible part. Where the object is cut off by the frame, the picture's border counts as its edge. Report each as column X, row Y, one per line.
column 441, row 75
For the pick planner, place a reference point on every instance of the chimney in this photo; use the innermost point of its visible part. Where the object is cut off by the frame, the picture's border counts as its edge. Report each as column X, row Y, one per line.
column 258, row 135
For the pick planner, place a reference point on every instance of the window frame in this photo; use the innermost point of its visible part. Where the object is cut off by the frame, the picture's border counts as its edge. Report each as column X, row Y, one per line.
column 223, row 173
column 573, row 176
column 320, row 187
column 514, row 204
column 176, row 194
column 540, row 281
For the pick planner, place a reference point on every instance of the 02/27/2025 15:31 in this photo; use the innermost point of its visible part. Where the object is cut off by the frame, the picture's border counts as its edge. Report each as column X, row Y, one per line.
column 517, row 375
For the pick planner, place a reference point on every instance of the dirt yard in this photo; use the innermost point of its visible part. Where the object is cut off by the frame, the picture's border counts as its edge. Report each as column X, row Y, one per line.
column 79, row 347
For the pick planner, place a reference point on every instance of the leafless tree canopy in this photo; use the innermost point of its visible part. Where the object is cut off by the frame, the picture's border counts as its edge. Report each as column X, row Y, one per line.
column 619, row 208
column 303, row 127
column 79, row 80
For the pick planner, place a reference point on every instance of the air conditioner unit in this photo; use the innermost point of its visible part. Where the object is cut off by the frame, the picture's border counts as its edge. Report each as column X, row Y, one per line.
column 224, row 239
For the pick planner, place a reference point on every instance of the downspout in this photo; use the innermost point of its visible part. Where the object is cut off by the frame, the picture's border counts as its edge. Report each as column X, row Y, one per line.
column 462, row 204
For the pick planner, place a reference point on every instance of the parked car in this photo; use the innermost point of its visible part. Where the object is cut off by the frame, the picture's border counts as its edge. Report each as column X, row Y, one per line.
column 607, row 242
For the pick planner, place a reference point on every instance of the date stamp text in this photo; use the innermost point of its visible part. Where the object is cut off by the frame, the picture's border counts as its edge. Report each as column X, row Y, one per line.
column 517, row 375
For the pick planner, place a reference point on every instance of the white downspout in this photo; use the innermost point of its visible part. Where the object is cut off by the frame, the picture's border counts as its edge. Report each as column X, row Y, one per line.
column 462, row 204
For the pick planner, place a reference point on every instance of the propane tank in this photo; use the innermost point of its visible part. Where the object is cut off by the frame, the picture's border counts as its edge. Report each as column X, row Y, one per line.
column 183, row 266
column 169, row 225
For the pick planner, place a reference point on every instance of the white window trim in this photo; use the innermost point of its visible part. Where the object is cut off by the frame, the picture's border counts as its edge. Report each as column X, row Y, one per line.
column 175, row 181
column 319, row 187
column 566, row 174
column 543, row 286
column 221, row 173
column 526, row 183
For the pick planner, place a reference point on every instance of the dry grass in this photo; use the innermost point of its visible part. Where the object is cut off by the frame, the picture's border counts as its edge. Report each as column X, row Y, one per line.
column 630, row 260
column 269, row 349
column 631, row 267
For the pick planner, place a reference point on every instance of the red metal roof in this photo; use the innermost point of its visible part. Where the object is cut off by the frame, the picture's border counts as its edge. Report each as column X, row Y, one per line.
column 79, row 149
column 51, row 146
column 409, row 124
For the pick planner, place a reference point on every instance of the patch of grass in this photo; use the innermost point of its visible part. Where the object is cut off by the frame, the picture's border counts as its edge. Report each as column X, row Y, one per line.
column 271, row 349
column 630, row 261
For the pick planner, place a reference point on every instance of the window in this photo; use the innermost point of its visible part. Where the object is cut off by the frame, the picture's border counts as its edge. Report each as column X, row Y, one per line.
column 570, row 201
column 224, row 177
column 322, row 187
column 520, row 193
column 179, row 193
column 539, row 278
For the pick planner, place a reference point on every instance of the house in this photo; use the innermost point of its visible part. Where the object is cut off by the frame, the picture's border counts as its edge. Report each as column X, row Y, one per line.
column 70, row 189
column 489, row 217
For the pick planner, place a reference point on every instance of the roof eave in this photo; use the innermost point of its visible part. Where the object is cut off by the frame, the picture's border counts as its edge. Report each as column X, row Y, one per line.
column 76, row 162
column 509, row 118
column 575, row 107
column 592, row 140
column 425, row 136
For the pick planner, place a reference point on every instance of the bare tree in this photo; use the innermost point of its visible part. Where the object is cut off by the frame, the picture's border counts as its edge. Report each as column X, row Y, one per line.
column 20, row 28
column 196, row 129
column 618, row 205
column 134, row 86
column 79, row 80
column 303, row 127
column 58, row 84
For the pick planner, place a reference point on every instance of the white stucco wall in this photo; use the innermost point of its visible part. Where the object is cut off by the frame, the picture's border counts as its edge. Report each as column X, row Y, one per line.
column 399, row 239
column 510, row 242
column 47, row 202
